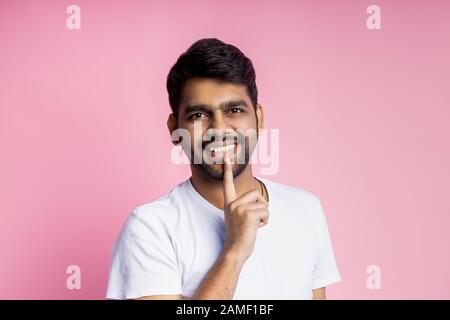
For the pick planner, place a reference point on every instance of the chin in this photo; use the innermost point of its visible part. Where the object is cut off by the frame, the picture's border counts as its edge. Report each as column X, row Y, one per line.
column 215, row 171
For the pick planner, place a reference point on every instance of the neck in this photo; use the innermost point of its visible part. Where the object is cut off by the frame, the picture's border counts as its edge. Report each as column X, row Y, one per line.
column 212, row 190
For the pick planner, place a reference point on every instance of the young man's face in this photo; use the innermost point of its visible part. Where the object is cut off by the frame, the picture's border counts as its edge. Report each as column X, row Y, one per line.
column 224, row 116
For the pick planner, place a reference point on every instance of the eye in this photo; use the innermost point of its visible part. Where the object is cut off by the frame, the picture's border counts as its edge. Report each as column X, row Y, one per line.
column 197, row 116
column 235, row 110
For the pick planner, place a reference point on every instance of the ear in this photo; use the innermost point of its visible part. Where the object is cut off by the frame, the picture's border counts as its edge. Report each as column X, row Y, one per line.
column 172, row 125
column 260, row 116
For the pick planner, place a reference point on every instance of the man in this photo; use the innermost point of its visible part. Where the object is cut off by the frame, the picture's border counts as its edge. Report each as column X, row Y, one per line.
column 211, row 236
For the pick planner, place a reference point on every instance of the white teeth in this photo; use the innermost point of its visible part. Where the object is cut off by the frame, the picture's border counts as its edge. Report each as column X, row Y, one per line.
column 223, row 148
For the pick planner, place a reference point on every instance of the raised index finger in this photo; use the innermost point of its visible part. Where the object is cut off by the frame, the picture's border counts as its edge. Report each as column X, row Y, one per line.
column 228, row 185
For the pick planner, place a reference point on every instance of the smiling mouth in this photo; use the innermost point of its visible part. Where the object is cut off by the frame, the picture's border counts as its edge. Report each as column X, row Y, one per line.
column 221, row 149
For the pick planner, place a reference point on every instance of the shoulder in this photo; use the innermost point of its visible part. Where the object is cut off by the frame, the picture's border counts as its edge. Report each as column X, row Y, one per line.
column 158, row 215
column 284, row 193
column 295, row 203
column 300, row 207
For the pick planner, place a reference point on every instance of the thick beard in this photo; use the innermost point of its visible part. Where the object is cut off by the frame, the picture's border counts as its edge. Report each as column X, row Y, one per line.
column 218, row 174
column 237, row 168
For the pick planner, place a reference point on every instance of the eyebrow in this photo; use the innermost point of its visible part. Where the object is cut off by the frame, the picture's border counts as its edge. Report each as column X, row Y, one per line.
column 224, row 105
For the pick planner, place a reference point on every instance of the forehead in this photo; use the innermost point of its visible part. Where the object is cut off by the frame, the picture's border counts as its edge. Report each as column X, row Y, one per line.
column 211, row 92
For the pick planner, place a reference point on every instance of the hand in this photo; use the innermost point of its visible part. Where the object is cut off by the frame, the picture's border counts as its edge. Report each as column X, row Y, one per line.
column 243, row 216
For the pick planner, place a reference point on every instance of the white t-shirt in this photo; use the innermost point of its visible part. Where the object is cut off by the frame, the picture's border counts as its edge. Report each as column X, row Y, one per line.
column 167, row 247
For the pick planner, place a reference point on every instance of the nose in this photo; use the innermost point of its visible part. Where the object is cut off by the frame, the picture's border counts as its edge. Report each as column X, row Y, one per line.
column 219, row 123
column 219, row 127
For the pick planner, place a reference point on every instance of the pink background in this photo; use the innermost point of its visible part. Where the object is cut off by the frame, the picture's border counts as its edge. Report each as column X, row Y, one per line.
column 363, row 118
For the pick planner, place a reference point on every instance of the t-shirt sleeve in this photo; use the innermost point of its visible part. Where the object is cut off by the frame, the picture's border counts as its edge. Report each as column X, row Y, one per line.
column 325, row 270
column 143, row 261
